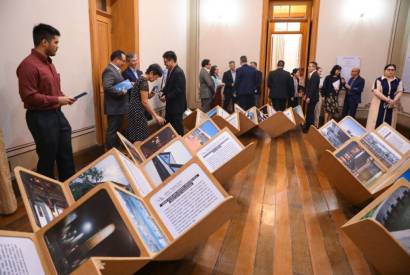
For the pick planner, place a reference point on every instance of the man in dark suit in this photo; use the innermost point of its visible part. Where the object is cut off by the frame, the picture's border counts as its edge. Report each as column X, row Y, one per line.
column 228, row 79
column 132, row 73
column 354, row 88
column 259, row 82
column 206, row 86
column 312, row 94
column 280, row 84
column 174, row 92
column 115, row 102
column 246, row 84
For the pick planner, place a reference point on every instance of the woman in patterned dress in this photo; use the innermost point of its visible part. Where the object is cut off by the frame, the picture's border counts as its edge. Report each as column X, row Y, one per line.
column 137, row 122
column 331, row 87
column 387, row 91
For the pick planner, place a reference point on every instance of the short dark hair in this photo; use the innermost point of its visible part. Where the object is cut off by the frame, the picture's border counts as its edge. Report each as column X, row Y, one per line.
column 243, row 59
column 155, row 69
column 390, row 65
column 205, row 62
column 231, row 62
column 281, row 63
column 254, row 63
column 295, row 70
column 334, row 69
column 314, row 63
column 43, row 31
column 170, row 55
column 116, row 54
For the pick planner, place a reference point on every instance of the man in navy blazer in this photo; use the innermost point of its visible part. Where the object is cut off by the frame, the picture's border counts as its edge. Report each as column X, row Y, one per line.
column 246, row 83
column 354, row 88
column 132, row 73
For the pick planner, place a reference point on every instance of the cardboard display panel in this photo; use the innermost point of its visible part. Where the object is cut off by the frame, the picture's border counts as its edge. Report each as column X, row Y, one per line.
column 382, row 230
column 245, row 124
column 112, row 166
column 217, row 111
column 198, row 136
column 289, row 114
column 252, row 115
column 223, row 123
column 22, row 255
column 233, row 119
column 201, row 117
column 191, row 205
column 318, row 141
column 132, row 150
column 190, row 121
column 238, row 109
column 219, row 150
column 394, row 138
column 44, row 198
column 381, row 150
column 157, row 141
column 167, row 161
column 84, row 231
column 353, row 128
column 277, row 124
column 298, row 113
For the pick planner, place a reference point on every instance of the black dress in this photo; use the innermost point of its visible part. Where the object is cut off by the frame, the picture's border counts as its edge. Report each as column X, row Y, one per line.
column 137, row 122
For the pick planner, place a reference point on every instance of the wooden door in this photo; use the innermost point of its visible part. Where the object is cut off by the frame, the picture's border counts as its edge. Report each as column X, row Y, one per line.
column 103, row 50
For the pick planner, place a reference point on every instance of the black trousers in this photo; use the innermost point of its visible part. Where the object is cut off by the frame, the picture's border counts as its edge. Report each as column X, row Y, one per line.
column 350, row 107
column 176, row 121
column 279, row 104
column 52, row 135
column 228, row 102
column 310, row 114
column 293, row 103
column 246, row 101
column 114, row 125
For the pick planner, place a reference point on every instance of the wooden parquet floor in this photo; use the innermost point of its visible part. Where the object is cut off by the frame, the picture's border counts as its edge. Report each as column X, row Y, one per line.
column 287, row 223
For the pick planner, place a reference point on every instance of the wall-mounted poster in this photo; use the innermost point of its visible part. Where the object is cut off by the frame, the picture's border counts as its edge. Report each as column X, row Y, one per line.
column 387, row 155
column 106, row 170
column 219, row 150
column 88, row 231
column 186, row 199
column 154, row 143
column 348, row 63
column 334, row 134
column 147, row 228
column 19, row 256
column 394, row 214
column 360, row 163
column 395, row 139
column 46, row 198
column 200, row 135
column 167, row 162
column 352, row 127
column 132, row 151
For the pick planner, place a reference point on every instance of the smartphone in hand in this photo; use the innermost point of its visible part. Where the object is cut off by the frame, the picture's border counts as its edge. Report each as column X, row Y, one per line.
column 80, row 95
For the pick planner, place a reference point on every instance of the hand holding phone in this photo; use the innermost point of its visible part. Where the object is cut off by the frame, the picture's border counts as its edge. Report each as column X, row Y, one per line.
column 80, row 95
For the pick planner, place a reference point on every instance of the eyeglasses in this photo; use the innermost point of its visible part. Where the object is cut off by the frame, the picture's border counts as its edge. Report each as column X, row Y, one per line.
column 390, row 69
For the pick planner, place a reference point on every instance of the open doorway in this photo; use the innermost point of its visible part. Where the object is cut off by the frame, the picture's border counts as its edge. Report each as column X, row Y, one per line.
column 289, row 34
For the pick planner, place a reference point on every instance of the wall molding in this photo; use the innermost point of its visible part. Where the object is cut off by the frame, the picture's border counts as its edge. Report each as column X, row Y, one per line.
column 30, row 146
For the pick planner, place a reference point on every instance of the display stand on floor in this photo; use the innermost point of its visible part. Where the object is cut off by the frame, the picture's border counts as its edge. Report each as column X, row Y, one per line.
column 378, row 245
column 277, row 125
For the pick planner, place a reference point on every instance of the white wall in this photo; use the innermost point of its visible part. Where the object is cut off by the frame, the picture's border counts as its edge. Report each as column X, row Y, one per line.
column 342, row 31
column 162, row 27
column 229, row 29
column 73, row 60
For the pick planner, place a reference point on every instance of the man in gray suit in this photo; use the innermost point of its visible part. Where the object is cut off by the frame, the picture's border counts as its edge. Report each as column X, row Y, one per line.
column 115, row 102
column 206, row 86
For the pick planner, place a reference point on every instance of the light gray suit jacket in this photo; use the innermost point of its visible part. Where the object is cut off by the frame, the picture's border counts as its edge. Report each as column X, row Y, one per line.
column 206, row 84
column 114, row 102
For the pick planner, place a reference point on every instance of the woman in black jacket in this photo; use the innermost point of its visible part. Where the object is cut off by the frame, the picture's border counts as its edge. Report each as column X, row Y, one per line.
column 330, row 91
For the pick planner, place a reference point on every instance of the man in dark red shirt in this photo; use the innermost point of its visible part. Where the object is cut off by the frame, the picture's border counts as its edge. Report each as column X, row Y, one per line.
column 39, row 87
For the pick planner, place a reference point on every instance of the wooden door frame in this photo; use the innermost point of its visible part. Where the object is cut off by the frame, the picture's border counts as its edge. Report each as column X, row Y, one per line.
column 127, row 10
column 312, row 39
